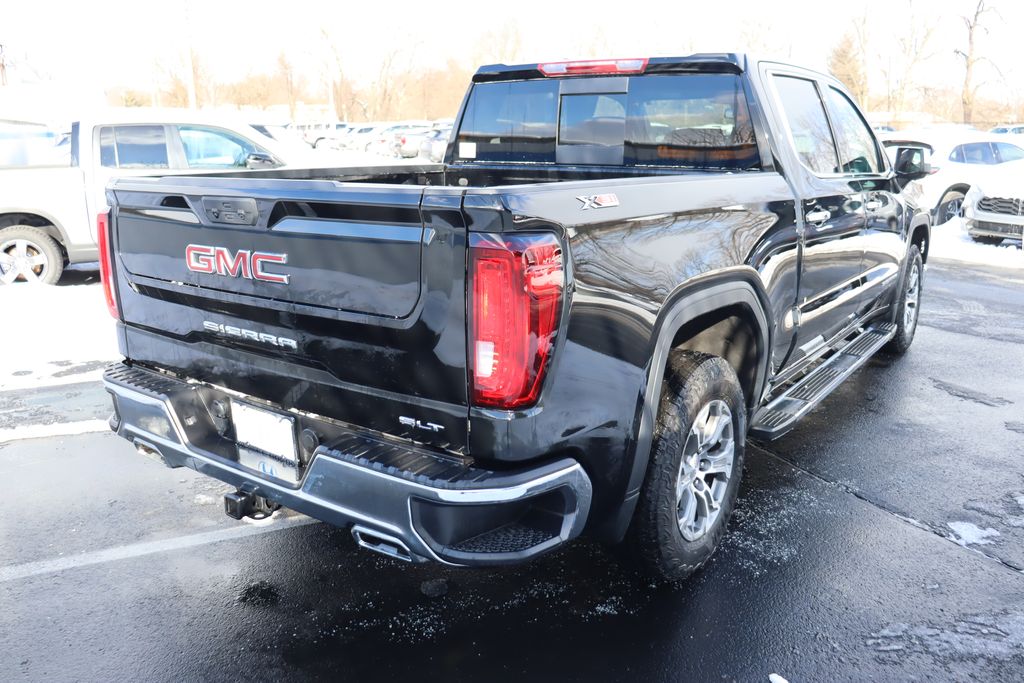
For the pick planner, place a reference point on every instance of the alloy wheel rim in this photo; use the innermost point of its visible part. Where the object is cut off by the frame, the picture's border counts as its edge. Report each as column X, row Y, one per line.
column 953, row 209
column 705, row 470
column 22, row 259
column 912, row 298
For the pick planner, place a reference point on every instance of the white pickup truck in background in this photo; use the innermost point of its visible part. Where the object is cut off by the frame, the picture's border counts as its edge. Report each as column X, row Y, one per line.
column 48, row 208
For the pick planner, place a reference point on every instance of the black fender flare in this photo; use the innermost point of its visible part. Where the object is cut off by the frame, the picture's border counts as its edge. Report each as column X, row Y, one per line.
column 740, row 285
column 919, row 221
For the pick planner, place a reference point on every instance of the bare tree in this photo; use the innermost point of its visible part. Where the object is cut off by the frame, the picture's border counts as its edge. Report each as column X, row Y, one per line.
column 847, row 64
column 970, row 56
column 255, row 90
column 914, row 40
column 290, row 83
column 500, row 46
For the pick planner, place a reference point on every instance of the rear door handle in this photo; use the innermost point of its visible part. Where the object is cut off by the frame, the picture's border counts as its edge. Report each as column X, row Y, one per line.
column 818, row 217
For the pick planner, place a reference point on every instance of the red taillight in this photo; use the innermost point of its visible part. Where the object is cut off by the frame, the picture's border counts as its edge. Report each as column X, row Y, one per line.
column 106, row 262
column 594, row 66
column 515, row 300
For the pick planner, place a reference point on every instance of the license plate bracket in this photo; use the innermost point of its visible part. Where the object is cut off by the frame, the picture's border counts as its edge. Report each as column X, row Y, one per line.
column 266, row 441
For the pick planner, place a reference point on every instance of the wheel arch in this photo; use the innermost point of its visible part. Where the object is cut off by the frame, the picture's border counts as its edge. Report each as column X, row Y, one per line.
column 921, row 235
column 955, row 187
column 36, row 219
column 732, row 302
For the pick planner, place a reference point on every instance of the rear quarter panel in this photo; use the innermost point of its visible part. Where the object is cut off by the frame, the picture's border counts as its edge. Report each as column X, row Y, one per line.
column 624, row 264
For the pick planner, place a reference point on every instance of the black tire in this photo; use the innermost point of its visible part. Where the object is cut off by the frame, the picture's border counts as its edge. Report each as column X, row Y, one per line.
column 952, row 204
column 906, row 325
column 693, row 381
column 38, row 246
column 986, row 239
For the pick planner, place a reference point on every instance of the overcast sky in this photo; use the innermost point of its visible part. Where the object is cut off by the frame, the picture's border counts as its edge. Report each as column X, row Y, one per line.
column 104, row 43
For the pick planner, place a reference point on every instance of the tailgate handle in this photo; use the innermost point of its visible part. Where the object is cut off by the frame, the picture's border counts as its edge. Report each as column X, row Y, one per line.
column 231, row 210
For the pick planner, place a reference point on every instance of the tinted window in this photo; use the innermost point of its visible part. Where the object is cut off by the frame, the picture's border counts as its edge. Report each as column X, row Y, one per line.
column 698, row 121
column 857, row 149
column 977, row 153
column 510, row 122
column 133, row 147
column 957, row 154
column 1017, row 131
column 807, row 123
column 592, row 120
column 108, row 158
column 211, row 148
column 692, row 121
column 1008, row 152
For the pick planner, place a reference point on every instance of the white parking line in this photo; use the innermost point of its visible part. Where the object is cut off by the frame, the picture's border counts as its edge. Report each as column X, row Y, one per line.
column 124, row 552
column 57, row 429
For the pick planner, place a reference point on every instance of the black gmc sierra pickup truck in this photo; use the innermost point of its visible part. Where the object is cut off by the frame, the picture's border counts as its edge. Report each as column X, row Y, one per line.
column 622, row 270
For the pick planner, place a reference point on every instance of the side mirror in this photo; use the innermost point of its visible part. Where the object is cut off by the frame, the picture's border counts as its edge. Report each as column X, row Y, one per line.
column 911, row 163
column 259, row 160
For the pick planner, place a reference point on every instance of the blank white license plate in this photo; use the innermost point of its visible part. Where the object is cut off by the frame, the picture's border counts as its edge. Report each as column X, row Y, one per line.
column 266, row 441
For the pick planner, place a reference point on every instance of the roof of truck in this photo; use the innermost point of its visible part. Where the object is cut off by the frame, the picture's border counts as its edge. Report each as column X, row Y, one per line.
column 729, row 62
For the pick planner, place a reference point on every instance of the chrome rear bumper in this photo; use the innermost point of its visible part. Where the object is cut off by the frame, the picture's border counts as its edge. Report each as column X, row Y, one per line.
column 398, row 498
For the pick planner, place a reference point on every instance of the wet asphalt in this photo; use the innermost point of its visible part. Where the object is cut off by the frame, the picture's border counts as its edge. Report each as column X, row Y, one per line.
column 882, row 540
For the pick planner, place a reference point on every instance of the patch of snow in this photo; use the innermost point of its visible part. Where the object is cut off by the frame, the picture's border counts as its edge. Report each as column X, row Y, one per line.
column 776, row 678
column 54, row 334
column 950, row 241
column 971, row 534
column 62, row 429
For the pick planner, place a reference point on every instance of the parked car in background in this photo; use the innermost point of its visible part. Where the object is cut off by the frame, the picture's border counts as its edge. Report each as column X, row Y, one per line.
column 1010, row 129
column 319, row 135
column 407, row 142
column 48, row 213
column 386, row 138
column 361, row 135
column 957, row 162
column 994, row 207
column 282, row 133
column 434, row 144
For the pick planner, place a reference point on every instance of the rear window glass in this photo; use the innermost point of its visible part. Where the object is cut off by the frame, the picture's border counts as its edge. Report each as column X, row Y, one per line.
column 689, row 121
column 512, row 121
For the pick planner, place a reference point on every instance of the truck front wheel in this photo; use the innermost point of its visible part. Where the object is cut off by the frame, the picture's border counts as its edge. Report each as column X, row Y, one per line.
column 695, row 468
column 28, row 254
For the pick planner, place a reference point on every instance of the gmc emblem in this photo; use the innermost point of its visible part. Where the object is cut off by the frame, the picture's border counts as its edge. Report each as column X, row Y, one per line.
column 244, row 263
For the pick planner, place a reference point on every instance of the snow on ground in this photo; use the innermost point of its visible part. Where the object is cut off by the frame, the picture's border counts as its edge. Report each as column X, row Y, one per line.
column 54, row 335
column 967, row 533
column 951, row 241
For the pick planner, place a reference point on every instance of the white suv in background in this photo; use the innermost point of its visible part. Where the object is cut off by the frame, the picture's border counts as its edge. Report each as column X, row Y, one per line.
column 958, row 162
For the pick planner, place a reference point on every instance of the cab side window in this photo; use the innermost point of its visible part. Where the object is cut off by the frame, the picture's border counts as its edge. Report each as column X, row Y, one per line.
column 857, row 149
column 805, row 117
column 133, row 147
column 214, row 148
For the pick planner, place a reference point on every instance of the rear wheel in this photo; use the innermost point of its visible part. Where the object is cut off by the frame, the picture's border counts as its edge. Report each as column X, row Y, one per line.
column 696, row 463
column 27, row 254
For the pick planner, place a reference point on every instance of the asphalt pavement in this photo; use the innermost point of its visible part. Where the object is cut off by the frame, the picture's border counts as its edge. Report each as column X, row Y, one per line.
column 882, row 540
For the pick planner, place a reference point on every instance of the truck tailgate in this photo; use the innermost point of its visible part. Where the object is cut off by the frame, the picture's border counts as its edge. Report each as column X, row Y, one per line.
column 345, row 300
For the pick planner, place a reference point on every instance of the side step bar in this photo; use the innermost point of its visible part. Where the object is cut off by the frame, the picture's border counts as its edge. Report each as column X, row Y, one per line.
column 779, row 416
